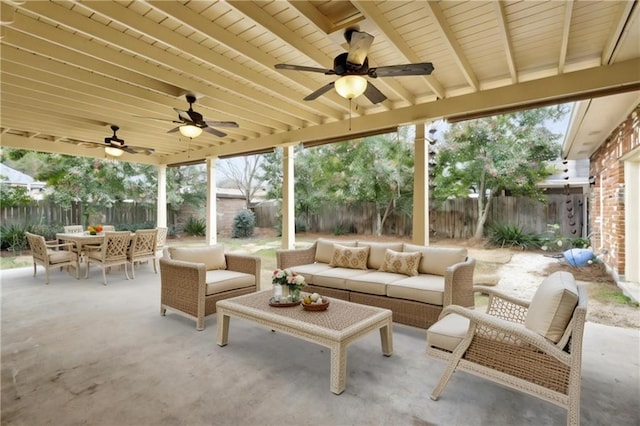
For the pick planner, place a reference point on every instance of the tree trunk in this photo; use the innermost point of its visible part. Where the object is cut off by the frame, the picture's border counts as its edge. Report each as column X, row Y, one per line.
column 483, row 213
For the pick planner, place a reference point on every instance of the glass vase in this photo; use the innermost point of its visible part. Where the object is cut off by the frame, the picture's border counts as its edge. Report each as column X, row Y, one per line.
column 285, row 293
column 295, row 294
column 277, row 292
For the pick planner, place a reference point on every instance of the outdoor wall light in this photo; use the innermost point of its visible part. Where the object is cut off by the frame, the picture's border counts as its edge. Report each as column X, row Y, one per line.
column 350, row 86
column 190, row 131
column 113, row 151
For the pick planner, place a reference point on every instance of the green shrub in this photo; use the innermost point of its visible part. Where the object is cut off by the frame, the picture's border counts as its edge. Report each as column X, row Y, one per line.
column 12, row 238
column 512, row 236
column 196, row 226
column 243, row 224
column 301, row 225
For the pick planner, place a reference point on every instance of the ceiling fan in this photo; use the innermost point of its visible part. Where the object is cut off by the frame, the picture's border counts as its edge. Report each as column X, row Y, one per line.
column 115, row 146
column 353, row 65
column 191, row 123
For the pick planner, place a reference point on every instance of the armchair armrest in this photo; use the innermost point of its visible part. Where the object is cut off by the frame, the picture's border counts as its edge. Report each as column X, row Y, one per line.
column 244, row 263
column 288, row 258
column 181, row 283
column 504, row 306
column 53, row 244
column 458, row 283
column 500, row 330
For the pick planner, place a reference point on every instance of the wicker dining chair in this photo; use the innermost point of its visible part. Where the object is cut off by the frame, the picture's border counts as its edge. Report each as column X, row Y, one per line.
column 49, row 255
column 143, row 248
column 534, row 347
column 161, row 238
column 112, row 252
column 108, row 228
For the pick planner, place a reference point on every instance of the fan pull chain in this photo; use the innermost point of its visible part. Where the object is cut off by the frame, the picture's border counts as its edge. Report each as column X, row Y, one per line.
column 349, row 114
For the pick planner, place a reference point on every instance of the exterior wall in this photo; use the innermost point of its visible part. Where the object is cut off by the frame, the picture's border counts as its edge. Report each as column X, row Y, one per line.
column 226, row 211
column 607, row 219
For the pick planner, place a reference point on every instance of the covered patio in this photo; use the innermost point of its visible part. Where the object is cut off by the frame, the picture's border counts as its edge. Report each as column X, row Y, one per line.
column 77, row 352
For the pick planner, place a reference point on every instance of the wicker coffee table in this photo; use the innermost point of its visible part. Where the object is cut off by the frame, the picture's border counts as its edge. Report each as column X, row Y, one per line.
column 334, row 328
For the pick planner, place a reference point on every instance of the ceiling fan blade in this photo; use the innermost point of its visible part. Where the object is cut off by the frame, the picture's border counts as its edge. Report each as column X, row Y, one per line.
column 222, row 123
column 175, row 129
column 373, row 94
column 424, row 68
column 138, row 150
column 184, row 115
column 302, row 68
column 321, row 91
column 214, row 131
column 89, row 144
column 359, row 45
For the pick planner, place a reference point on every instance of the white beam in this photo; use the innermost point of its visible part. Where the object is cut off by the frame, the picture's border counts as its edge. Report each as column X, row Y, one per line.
column 212, row 214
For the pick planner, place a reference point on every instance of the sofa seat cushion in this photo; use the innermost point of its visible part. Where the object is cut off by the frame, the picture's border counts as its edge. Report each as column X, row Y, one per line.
column 222, row 280
column 212, row 256
column 422, row 288
column 552, row 306
column 435, row 260
column 309, row 270
column 377, row 252
column 335, row 277
column 448, row 332
column 324, row 249
column 372, row 282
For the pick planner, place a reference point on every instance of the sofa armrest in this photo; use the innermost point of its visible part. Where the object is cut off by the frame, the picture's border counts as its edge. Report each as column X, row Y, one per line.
column 458, row 284
column 243, row 263
column 182, row 285
column 288, row 258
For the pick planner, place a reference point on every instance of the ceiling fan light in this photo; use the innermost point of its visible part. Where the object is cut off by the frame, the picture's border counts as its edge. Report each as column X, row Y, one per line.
column 350, row 86
column 190, row 131
column 113, row 151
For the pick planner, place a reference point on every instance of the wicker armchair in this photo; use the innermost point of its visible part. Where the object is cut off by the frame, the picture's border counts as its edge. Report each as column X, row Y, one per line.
column 191, row 288
column 503, row 345
column 142, row 248
column 112, row 252
column 48, row 254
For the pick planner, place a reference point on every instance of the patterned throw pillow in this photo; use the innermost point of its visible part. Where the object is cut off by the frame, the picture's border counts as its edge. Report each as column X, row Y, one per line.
column 401, row 263
column 349, row 257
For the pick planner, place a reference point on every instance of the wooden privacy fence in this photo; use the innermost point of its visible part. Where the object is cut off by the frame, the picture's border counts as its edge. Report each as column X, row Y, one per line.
column 49, row 213
column 450, row 219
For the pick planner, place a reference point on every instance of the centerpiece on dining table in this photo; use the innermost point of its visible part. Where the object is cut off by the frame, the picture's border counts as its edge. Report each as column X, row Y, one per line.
column 286, row 288
column 94, row 230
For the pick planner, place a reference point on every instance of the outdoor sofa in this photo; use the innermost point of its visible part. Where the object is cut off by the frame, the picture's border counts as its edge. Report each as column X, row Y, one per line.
column 193, row 279
column 415, row 282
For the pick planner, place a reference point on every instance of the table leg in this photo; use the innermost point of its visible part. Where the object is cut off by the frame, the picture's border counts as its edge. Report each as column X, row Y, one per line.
column 338, row 368
column 386, row 339
column 223, row 328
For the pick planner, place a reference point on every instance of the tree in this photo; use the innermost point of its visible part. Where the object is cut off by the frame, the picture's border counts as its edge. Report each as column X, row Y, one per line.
column 490, row 155
column 245, row 175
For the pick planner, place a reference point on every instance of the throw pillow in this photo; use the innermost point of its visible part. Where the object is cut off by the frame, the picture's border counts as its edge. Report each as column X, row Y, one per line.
column 212, row 256
column 349, row 257
column 401, row 263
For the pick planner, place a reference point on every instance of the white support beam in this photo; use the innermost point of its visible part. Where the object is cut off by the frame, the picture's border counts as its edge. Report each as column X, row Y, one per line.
column 288, row 199
column 162, row 197
column 566, row 28
column 212, row 214
column 421, row 187
column 498, row 6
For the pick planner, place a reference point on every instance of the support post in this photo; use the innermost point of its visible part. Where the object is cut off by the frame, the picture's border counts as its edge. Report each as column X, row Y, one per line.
column 421, row 187
column 161, row 207
column 288, row 199
column 212, row 217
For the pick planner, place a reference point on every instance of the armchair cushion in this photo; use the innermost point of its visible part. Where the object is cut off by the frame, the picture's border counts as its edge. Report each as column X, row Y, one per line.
column 212, row 256
column 448, row 332
column 219, row 281
column 552, row 306
column 401, row 263
column 435, row 260
column 324, row 249
column 349, row 257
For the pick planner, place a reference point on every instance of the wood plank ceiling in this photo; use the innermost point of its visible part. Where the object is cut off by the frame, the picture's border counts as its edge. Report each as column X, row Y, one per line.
column 69, row 69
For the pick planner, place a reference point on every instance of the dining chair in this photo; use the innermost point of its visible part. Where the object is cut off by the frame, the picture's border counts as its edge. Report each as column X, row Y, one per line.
column 73, row 229
column 142, row 248
column 161, row 238
column 112, row 252
column 47, row 254
column 108, row 228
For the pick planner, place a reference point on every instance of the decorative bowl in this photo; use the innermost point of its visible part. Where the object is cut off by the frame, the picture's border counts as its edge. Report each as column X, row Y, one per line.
column 317, row 306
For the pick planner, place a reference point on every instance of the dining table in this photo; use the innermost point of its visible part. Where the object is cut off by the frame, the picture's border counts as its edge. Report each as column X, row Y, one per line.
column 81, row 239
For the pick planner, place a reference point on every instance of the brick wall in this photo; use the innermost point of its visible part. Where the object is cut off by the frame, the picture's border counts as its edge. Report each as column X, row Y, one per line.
column 226, row 211
column 607, row 208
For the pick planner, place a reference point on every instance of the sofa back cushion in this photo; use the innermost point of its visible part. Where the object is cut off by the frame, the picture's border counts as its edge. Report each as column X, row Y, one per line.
column 324, row 249
column 212, row 256
column 401, row 263
column 435, row 260
column 552, row 306
column 377, row 252
column 349, row 257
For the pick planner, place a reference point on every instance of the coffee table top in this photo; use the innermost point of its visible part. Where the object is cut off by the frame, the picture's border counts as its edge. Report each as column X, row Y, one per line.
column 341, row 319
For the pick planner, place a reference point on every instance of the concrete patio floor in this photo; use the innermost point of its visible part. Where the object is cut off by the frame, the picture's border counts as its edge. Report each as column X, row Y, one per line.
column 78, row 352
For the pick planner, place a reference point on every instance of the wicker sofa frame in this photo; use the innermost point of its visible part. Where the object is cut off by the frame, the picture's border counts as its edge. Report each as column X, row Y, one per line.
column 184, row 287
column 458, row 290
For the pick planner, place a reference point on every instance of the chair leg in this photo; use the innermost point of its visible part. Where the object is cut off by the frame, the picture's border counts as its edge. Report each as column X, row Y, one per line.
column 133, row 269
column 104, row 275
column 86, row 273
column 34, row 269
column 453, row 363
column 155, row 268
column 46, row 276
column 125, row 271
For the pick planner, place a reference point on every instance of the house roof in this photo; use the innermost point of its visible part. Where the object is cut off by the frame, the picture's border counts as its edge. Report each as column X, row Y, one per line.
column 71, row 69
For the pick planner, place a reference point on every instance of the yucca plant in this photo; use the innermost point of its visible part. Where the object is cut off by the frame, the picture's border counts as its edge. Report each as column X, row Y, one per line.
column 511, row 236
